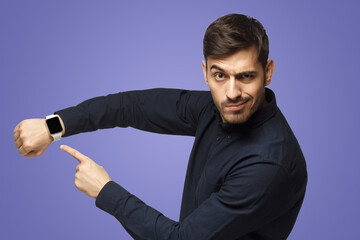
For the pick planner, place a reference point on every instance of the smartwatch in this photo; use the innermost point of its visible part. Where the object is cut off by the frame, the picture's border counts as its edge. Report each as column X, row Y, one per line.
column 54, row 126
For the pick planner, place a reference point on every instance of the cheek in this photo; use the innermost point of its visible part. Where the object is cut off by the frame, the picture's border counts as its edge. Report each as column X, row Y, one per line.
column 216, row 93
column 217, row 98
column 255, row 92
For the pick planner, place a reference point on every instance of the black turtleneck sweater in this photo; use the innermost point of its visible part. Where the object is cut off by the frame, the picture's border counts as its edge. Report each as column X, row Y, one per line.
column 243, row 181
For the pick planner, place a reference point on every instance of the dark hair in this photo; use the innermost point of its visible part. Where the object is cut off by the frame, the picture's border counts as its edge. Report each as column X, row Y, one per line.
column 233, row 32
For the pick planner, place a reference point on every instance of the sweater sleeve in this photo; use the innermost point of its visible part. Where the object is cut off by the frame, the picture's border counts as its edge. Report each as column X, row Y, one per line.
column 248, row 199
column 167, row 111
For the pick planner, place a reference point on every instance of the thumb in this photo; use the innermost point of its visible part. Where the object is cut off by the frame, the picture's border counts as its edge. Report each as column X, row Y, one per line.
column 76, row 154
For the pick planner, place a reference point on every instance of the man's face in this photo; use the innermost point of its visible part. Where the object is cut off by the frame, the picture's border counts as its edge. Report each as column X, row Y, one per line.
column 237, row 84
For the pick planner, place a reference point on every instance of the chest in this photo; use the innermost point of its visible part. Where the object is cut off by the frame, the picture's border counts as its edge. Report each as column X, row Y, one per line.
column 214, row 154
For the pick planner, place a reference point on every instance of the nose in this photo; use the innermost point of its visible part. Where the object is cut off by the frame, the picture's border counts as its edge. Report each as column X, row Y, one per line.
column 233, row 91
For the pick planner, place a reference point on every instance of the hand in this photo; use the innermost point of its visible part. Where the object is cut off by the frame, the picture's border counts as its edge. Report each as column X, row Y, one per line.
column 32, row 137
column 90, row 178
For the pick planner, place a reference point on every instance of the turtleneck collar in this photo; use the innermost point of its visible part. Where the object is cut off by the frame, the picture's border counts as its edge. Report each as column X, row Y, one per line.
column 257, row 119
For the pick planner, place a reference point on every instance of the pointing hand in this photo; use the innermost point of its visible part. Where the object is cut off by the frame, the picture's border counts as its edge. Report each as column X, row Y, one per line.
column 90, row 178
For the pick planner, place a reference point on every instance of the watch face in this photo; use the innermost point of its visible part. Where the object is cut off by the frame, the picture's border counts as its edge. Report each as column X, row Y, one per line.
column 54, row 125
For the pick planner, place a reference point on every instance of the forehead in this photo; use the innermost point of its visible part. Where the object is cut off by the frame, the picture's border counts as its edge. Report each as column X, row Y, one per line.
column 242, row 60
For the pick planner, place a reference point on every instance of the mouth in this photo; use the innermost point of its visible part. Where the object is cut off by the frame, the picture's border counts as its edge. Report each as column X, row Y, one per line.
column 236, row 107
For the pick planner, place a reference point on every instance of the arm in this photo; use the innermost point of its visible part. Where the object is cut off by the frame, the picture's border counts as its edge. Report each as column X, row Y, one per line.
column 249, row 198
column 168, row 111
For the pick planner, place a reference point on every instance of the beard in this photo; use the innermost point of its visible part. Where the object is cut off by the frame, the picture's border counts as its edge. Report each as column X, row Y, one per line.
column 250, row 106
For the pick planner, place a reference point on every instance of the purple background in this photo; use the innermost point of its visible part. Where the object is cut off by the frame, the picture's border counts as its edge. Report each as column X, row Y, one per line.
column 55, row 54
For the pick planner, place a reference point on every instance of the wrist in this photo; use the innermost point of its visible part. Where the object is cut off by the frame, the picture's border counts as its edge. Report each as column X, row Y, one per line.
column 54, row 126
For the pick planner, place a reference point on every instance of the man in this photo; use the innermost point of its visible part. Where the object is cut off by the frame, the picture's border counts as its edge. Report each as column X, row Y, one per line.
column 246, row 175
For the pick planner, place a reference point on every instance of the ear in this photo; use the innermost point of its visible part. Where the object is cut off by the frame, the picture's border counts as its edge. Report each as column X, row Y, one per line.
column 270, row 66
column 204, row 70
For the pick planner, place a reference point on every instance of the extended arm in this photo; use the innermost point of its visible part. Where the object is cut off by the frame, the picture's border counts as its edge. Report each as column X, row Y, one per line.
column 250, row 198
column 168, row 111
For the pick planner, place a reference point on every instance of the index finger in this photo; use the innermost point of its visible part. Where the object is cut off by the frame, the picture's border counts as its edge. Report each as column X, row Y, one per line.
column 75, row 153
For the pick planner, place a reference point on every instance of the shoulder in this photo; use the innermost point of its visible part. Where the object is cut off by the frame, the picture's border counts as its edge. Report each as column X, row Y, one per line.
column 196, row 96
column 279, row 142
column 195, row 102
column 274, row 143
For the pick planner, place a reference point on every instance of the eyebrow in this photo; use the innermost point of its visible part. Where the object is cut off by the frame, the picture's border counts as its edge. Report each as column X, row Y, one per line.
column 237, row 75
column 216, row 67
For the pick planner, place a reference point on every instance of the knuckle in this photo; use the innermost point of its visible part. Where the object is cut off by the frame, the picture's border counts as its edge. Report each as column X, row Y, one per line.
column 26, row 146
column 22, row 137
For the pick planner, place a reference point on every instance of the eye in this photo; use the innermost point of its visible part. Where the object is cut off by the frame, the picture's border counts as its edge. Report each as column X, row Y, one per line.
column 247, row 76
column 219, row 76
